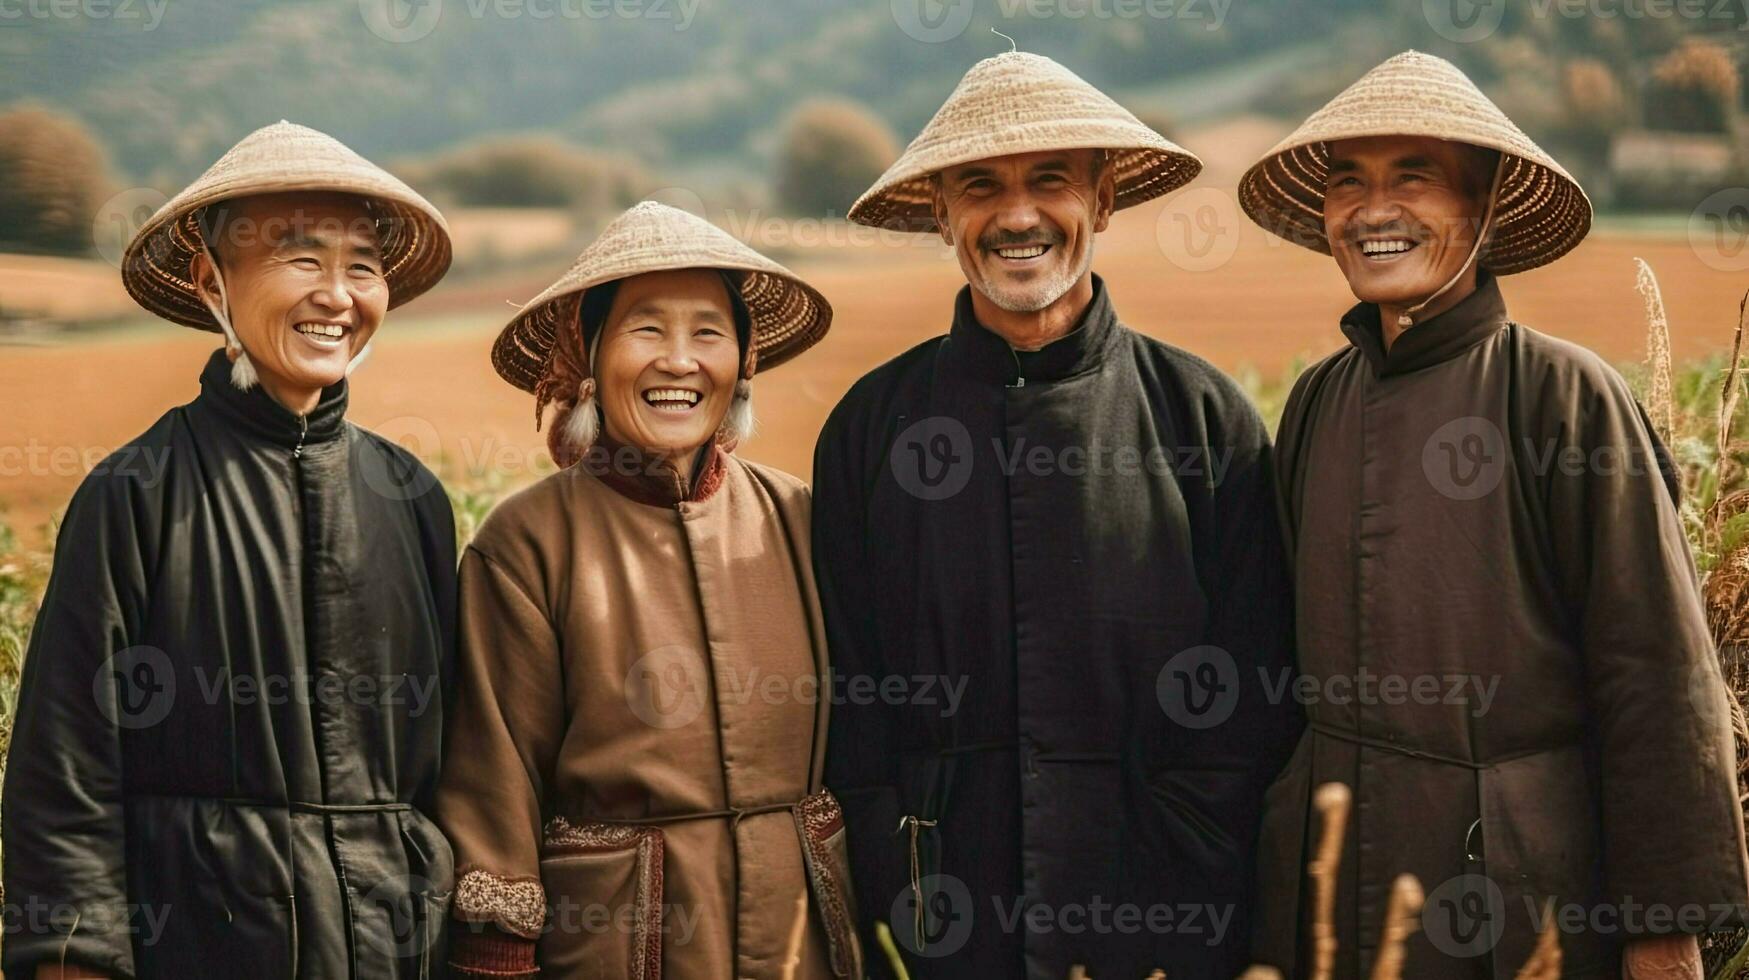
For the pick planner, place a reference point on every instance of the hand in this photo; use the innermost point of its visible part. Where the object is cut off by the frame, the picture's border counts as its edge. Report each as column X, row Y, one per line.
column 1663, row 958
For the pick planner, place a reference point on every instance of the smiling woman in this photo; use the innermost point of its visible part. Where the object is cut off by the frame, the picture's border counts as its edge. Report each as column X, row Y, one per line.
column 605, row 608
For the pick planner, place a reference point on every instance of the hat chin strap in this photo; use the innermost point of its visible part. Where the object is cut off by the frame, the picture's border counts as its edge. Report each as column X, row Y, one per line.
column 1406, row 319
column 243, row 375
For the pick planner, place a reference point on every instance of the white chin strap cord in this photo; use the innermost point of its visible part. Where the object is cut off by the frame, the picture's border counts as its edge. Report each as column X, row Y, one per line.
column 1406, row 319
column 243, row 376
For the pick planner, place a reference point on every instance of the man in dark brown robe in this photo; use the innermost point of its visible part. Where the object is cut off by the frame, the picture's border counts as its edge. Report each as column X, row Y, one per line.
column 1503, row 649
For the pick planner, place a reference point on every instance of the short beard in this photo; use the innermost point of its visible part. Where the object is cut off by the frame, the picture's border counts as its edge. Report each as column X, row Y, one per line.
column 1038, row 296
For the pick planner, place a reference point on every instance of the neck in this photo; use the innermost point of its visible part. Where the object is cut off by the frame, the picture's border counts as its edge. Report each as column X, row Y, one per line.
column 296, row 399
column 1033, row 330
column 1389, row 313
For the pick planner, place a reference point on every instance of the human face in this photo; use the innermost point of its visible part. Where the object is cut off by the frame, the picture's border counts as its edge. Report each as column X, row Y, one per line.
column 304, row 279
column 1402, row 213
column 1023, row 225
column 667, row 361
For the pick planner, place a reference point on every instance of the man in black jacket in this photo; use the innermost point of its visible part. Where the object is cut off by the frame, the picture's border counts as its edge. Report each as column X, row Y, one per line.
column 231, row 709
column 1073, row 525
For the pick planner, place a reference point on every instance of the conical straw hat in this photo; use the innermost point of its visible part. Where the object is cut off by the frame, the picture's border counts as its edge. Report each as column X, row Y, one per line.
column 1542, row 211
column 274, row 159
column 788, row 315
column 1023, row 103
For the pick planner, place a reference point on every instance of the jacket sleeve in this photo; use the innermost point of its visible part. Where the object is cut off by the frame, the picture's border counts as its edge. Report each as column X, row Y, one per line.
column 504, row 733
column 64, row 830
column 1672, row 828
column 861, row 763
column 1242, row 567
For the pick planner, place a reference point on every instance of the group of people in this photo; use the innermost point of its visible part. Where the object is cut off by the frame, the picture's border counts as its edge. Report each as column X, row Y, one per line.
column 962, row 710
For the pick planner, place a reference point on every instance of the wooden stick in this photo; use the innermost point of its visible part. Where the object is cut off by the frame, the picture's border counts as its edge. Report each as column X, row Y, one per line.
column 1402, row 918
column 1332, row 801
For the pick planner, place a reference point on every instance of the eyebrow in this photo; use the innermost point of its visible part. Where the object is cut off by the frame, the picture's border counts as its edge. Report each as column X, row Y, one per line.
column 297, row 240
column 1413, row 162
column 653, row 308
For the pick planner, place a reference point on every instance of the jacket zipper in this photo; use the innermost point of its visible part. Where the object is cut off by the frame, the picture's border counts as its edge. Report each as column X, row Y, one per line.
column 1019, row 378
column 303, row 430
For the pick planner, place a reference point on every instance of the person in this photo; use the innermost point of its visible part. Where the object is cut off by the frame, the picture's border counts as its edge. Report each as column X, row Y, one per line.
column 635, row 789
column 1051, row 576
column 1480, row 508
column 230, row 712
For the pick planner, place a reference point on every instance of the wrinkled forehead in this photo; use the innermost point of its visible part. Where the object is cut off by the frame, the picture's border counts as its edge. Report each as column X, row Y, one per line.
column 673, row 292
column 1042, row 161
column 322, row 218
column 1461, row 161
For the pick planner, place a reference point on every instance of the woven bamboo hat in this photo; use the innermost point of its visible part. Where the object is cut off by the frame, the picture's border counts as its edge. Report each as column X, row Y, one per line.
column 1023, row 103
column 282, row 157
column 788, row 315
column 1541, row 212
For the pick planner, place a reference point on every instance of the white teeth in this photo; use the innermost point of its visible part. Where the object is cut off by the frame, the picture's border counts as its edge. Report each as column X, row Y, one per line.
column 1385, row 248
column 322, row 329
column 671, row 396
column 1031, row 251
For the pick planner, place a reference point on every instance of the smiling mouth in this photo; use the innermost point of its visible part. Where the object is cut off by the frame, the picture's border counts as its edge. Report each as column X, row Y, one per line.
column 329, row 335
column 1387, row 249
column 676, row 400
column 1022, row 253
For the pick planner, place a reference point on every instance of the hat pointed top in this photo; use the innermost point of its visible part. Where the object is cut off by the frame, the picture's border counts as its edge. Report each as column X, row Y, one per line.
column 1541, row 213
column 279, row 158
column 1020, row 102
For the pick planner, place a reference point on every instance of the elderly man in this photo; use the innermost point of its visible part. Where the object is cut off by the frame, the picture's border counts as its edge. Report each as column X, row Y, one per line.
column 1488, row 559
column 1051, row 577
column 231, row 709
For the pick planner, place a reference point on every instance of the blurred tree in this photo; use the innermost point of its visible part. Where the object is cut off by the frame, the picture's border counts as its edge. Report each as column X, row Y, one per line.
column 531, row 171
column 832, row 150
column 1694, row 89
column 1596, row 105
column 53, row 177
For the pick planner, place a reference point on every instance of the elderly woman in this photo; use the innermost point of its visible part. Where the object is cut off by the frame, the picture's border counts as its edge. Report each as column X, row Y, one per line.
column 633, row 785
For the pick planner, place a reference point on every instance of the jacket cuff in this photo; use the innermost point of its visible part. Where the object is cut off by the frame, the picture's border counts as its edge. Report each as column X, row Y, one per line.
column 517, row 905
column 491, row 953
